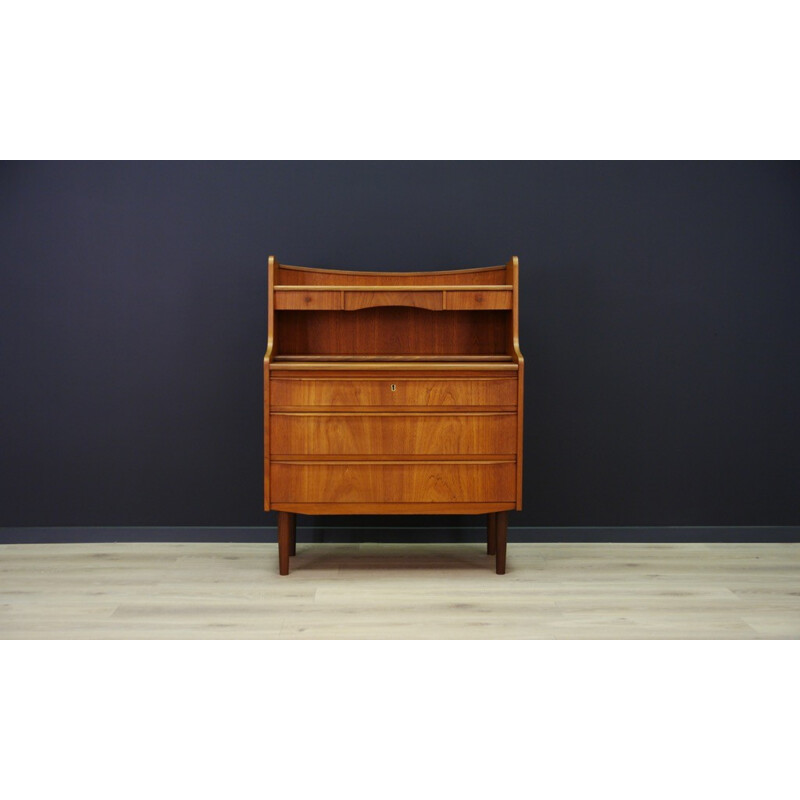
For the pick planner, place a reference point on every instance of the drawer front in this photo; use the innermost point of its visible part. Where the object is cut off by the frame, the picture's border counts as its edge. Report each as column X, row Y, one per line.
column 392, row 434
column 464, row 301
column 308, row 301
column 392, row 483
column 433, row 301
column 392, row 391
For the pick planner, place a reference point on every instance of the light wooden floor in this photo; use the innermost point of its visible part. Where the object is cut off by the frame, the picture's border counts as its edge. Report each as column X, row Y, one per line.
column 394, row 591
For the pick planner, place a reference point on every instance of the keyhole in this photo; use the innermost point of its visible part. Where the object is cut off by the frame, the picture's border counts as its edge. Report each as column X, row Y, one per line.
column 394, row 388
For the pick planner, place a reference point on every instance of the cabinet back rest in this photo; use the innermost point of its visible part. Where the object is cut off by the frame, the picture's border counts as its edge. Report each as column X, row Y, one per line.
column 306, row 276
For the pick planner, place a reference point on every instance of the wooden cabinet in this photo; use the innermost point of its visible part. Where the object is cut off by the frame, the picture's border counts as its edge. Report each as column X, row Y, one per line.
column 395, row 393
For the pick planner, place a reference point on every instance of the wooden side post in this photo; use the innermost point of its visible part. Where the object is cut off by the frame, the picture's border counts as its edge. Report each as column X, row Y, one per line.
column 512, row 277
column 272, row 265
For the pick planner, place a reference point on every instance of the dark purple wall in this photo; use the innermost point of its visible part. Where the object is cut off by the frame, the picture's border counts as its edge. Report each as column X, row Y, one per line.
column 660, row 325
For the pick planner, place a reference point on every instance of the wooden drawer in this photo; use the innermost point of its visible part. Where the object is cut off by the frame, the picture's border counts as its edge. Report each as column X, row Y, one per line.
column 392, row 434
column 392, row 483
column 392, row 391
column 308, row 301
column 466, row 301
column 355, row 300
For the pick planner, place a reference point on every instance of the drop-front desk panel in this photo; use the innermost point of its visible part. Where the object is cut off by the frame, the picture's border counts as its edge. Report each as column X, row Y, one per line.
column 393, row 393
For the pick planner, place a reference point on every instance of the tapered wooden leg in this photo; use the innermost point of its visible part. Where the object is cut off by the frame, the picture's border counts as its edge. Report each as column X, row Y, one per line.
column 293, row 535
column 491, row 534
column 501, row 531
column 284, row 534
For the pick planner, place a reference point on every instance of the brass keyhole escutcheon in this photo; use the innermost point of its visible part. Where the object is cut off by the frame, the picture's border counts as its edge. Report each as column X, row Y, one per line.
column 394, row 388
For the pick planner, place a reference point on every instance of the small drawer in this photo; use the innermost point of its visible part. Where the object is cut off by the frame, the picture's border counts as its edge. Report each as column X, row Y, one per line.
column 392, row 434
column 488, row 299
column 430, row 300
column 392, row 483
column 308, row 301
column 393, row 391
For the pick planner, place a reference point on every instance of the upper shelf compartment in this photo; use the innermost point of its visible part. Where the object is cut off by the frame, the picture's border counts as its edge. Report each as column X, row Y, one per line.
column 320, row 315
column 496, row 297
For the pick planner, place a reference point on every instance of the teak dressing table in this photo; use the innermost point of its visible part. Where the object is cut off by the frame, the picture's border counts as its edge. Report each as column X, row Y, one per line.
column 393, row 393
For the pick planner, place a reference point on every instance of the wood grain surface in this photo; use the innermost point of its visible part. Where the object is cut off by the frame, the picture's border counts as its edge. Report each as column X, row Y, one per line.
column 392, row 482
column 310, row 276
column 459, row 301
column 440, row 393
column 354, row 300
column 393, row 434
column 308, row 300
column 391, row 330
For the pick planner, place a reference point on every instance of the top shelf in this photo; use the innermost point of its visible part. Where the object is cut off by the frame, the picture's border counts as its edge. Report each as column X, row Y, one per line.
column 497, row 297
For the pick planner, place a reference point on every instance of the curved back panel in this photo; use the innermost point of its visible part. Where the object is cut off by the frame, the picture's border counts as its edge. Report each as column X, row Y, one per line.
column 307, row 276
